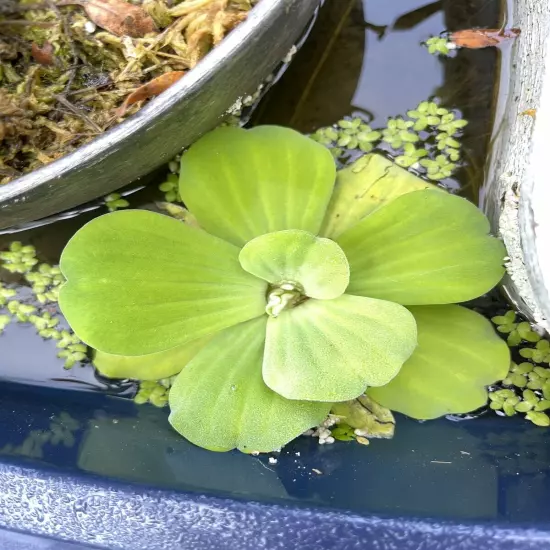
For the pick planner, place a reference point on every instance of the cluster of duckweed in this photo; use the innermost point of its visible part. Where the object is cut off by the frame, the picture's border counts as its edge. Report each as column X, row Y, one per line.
column 438, row 45
column 348, row 135
column 115, row 201
column 343, row 432
column 170, row 186
column 37, row 303
column 516, row 330
column 155, row 392
column 426, row 140
column 526, row 388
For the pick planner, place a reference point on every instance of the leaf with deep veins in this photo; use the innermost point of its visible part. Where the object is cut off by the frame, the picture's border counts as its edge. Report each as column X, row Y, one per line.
column 140, row 283
column 240, row 184
column 458, row 354
column 220, row 401
column 331, row 350
column 424, row 247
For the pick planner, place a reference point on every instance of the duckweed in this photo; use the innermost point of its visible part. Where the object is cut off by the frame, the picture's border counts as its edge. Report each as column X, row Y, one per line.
column 526, row 388
column 155, row 392
column 426, row 140
column 44, row 281
column 438, row 45
column 114, row 201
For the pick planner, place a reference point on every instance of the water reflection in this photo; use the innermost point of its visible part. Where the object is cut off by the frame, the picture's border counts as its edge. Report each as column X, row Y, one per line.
column 398, row 73
column 488, row 469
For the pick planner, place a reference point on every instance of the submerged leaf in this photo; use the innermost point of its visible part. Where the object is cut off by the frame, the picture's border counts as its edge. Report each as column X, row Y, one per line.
column 150, row 89
column 148, row 367
column 140, row 282
column 240, row 184
column 366, row 416
column 220, row 402
column 331, row 350
column 424, row 247
column 363, row 187
column 458, row 355
column 116, row 16
column 318, row 265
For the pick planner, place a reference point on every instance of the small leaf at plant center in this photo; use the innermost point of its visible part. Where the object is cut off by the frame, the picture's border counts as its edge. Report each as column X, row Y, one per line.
column 318, row 265
column 220, row 401
column 331, row 350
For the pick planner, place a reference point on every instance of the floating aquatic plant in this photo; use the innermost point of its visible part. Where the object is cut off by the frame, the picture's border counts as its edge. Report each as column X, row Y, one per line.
column 526, row 387
column 427, row 139
column 439, row 45
column 302, row 288
column 38, row 307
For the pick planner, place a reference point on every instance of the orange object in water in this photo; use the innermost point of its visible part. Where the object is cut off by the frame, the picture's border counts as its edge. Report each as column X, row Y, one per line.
column 482, row 38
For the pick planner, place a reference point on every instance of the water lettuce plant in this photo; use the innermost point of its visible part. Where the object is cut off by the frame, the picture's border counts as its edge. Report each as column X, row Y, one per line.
column 294, row 288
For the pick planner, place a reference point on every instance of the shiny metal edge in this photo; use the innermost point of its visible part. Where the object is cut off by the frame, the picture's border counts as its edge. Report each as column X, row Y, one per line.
column 191, row 107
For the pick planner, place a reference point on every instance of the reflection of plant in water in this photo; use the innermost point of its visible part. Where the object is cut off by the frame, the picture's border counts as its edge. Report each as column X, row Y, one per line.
column 290, row 296
column 60, row 432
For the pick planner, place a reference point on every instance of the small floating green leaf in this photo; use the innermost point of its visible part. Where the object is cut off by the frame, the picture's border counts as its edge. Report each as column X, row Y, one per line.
column 318, row 265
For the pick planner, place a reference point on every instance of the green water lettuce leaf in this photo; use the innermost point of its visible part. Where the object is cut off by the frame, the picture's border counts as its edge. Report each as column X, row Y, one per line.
column 367, row 184
column 220, row 402
column 154, row 366
column 424, row 247
column 458, row 354
column 318, row 265
column 240, row 184
column 331, row 350
column 140, row 283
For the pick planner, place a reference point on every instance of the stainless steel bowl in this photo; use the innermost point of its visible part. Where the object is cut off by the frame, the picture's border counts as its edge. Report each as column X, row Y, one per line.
column 167, row 124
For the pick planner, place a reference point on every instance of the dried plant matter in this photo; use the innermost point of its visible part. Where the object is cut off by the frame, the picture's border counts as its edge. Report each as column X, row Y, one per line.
column 69, row 70
column 116, row 16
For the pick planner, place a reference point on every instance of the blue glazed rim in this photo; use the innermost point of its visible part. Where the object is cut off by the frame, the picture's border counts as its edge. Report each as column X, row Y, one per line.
column 129, row 482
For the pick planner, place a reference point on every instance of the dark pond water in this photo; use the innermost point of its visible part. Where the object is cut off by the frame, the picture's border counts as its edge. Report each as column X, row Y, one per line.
column 362, row 59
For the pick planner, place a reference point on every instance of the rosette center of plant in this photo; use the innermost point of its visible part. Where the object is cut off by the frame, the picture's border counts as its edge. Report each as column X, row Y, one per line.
column 284, row 296
column 298, row 265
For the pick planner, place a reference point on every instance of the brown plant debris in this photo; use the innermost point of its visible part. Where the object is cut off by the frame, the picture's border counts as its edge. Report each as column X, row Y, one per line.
column 116, row 16
column 475, row 39
column 151, row 89
column 69, row 70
